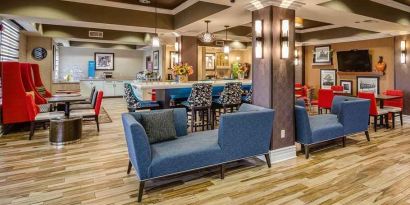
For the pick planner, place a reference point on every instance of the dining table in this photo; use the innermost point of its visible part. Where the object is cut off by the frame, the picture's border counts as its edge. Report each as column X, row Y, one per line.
column 67, row 101
column 381, row 98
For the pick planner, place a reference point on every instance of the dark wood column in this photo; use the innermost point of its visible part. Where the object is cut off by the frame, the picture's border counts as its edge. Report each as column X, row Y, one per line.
column 274, row 78
column 189, row 53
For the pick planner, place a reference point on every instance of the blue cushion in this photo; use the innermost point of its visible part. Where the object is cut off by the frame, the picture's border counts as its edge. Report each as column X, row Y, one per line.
column 148, row 104
column 195, row 150
column 325, row 127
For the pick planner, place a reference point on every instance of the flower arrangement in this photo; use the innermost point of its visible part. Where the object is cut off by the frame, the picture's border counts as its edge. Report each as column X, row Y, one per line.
column 182, row 69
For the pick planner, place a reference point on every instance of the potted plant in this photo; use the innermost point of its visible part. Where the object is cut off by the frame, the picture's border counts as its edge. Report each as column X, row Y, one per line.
column 181, row 71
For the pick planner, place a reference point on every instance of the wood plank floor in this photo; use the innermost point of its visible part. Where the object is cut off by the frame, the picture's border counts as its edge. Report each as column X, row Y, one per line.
column 94, row 172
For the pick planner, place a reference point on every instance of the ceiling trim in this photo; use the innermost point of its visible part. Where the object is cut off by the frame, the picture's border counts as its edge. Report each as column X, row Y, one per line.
column 259, row 4
column 393, row 4
column 346, row 39
column 320, row 28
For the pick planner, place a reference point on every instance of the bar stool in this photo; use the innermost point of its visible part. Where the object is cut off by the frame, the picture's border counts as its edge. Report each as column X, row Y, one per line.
column 199, row 103
column 247, row 98
column 230, row 98
column 133, row 103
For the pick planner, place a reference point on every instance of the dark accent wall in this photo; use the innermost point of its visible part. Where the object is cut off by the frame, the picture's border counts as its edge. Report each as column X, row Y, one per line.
column 402, row 71
column 189, row 54
column 196, row 12
column 274, row 78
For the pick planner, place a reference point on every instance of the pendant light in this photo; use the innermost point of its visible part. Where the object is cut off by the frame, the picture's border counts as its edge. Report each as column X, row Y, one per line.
column 226, row 47
column 207, row 37
column 155, row 39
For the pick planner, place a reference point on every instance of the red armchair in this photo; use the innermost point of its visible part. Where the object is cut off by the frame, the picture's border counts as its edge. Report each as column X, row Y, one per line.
column 325, row 99
column 395, row 106
column 38, row 83
column 27, row 78
column 18, row 106
column 337, row 88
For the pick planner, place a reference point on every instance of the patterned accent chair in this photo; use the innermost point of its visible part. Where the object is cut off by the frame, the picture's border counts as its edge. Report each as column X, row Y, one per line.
column 200, row 102
column 134, row 103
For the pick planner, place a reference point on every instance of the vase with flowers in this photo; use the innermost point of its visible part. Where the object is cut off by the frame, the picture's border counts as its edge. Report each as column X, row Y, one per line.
column 181, row 71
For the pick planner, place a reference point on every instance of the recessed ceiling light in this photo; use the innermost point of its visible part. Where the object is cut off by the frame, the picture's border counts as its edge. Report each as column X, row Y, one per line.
column 145, row 1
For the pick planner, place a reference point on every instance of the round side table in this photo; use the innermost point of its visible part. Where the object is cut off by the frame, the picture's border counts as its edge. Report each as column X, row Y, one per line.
column 65, row 130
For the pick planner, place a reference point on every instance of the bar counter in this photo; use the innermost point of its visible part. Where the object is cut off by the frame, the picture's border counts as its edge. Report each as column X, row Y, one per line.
column 164, row 90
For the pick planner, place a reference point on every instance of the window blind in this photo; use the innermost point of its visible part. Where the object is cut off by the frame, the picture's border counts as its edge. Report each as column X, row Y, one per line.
column 9, row 41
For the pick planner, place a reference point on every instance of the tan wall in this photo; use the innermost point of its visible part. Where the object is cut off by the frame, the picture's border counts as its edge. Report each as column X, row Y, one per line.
column 378, row 47
column 46, row 65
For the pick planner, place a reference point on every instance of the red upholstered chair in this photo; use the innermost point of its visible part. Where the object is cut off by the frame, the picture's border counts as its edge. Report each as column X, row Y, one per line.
column 395, row 106
column 91, row 113
column 38, row 83
column 376, row 112
column 18, row 106
column 298, row 89
column 337, row 88
column 325, row 99
column 28, row 83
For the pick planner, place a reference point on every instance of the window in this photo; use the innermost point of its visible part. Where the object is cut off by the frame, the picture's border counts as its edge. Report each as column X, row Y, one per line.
column 9, row 41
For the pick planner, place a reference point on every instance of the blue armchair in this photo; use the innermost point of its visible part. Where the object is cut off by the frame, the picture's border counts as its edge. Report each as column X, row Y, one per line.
column 233, row 140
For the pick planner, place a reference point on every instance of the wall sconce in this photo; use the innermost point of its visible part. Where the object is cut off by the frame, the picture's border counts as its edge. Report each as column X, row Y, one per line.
column 176, row 45
column 403, row 52
column 296, row 57
column 259, row 39
column 284, row 39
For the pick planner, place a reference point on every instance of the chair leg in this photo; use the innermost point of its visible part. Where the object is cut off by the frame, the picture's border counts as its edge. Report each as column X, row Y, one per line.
column 344, row 141
column 129, row 167
column 267, row 157
column 393, row 119
column 401, row 118
column 367, row 135
column 32, row 128
column 386, row 119
column 375, row 123
column 141, row 191
column 98, row 123
column 192, row 120
column 222, row 171
column 307, row 151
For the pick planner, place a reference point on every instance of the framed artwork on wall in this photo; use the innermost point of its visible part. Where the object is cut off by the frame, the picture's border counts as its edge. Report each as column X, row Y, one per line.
column 322, row 55
column 210, row 61
column 328, row 78
column 347, row 86
column 104, row 61
column 155, row 57
column 222, row 60
column 173, row 58
column 368, row 84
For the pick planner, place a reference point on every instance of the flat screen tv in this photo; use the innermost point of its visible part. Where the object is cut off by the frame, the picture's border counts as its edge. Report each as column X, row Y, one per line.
column 354, row 61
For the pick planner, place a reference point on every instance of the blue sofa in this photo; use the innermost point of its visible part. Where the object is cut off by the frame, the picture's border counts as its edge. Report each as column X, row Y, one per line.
column 348, row 116
column 243, row 134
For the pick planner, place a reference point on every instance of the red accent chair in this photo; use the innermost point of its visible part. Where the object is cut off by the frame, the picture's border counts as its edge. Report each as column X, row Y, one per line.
column 37, row 79
column 91, row 113
column 376, row 112
column 337, row 88
column 28, row 83
column 298, row 89
column 325, row 99
column 18, row 106
column 395, row 106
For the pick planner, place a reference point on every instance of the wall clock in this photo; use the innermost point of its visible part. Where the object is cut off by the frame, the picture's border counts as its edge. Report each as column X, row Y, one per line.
column 39, row 53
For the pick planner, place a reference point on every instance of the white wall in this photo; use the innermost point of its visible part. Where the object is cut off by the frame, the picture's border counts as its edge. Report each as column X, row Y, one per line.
column 127, row 63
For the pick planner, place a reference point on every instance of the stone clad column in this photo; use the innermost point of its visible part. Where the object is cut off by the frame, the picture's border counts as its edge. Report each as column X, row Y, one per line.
column 273, row 77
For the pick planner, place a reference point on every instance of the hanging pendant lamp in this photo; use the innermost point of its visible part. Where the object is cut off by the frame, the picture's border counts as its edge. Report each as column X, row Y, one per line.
column 226, row 47
column 207, row 37
column 155, row 38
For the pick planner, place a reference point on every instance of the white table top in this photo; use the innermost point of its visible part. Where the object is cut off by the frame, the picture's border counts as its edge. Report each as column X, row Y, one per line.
column 171, row 85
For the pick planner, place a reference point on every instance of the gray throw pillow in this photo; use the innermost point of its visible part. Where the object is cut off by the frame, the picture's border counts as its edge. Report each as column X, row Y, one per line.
column 159, row 125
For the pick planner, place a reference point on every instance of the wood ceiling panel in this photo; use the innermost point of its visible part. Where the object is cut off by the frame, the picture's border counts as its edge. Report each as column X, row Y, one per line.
column 405, row 2
column 164, row 4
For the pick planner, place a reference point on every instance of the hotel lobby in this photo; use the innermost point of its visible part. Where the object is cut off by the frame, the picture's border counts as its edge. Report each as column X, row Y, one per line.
column 205, row 102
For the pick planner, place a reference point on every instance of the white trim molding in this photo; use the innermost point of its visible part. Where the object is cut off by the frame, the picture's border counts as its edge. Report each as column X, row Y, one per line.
column 259, row 4
column 281, row 154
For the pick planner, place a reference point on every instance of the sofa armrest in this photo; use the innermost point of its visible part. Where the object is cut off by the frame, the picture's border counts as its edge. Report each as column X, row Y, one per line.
column 139, row 149
column 303, row 130
column 244, row 134
column 354, row 115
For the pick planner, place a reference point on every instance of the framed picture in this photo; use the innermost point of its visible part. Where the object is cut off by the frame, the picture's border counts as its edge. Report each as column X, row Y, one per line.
column 222, row 60
column 148, row 63
column 347, row 86
column 210, row 61
column 219, row 43
column 322, row 55
column 155, row 57
column 104, row 61
column 173, row 58
column 327, row 78
column 368, row 84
